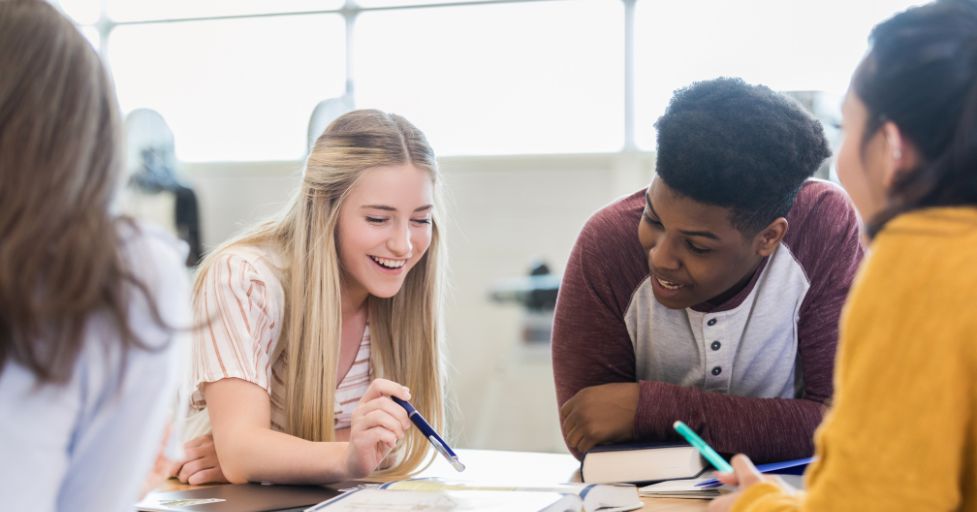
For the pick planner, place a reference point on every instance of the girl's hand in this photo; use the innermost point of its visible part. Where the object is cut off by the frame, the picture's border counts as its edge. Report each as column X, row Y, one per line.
column 744, row 474
column 378, row 423
column 200, row 464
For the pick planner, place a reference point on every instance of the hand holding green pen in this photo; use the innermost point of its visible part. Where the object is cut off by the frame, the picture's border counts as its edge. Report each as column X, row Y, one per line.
column 714, row 458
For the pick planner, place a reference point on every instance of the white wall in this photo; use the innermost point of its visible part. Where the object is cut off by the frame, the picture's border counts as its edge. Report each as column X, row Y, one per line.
column 502, row 212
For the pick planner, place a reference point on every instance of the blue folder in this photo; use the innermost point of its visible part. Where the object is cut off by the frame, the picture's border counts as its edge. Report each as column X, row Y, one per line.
column 797, row 465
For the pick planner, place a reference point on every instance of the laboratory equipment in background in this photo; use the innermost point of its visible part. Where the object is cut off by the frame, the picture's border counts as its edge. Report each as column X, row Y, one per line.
column 154, row 192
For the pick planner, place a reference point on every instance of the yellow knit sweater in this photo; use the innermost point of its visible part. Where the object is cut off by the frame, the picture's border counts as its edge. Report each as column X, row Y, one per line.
column 902, row 431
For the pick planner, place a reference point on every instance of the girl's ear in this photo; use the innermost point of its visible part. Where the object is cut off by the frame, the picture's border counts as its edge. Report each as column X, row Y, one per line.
column 900, row 156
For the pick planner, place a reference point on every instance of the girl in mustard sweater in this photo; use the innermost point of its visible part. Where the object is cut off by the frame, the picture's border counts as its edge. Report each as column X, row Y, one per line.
column 902, row 431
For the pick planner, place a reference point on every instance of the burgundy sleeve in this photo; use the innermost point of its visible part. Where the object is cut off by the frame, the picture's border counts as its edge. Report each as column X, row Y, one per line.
column 825, row 240
column 591, row 345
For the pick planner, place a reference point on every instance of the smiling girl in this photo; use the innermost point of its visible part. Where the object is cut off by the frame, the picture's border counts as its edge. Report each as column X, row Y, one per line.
column 316, row 319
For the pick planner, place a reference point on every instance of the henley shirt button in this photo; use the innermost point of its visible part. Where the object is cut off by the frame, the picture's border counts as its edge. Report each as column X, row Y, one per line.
column 717, row 370
column 715, row 345
column 712, row 321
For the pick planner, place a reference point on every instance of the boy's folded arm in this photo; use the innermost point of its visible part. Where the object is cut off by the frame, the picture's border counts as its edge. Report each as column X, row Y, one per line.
column 766, row 429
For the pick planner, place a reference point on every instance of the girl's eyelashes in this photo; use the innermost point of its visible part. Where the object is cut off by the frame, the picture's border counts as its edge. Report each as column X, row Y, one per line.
column 381, row 220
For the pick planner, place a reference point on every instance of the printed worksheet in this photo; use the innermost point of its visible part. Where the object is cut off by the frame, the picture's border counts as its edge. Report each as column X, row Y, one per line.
column 377, row 500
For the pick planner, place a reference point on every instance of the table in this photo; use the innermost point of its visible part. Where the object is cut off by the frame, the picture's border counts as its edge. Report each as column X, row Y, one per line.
column 537, row 468
column 523, row 467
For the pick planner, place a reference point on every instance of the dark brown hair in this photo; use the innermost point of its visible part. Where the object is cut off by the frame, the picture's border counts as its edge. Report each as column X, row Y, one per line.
column 921, row 74
column 60, row 248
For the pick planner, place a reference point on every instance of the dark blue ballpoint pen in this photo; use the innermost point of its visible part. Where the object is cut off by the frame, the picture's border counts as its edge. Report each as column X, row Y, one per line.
column 432, row 436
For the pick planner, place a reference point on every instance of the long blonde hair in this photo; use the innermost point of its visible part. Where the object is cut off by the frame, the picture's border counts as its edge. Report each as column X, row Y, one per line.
column 405, row 329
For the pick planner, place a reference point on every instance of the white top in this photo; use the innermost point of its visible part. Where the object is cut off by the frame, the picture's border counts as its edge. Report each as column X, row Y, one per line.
column 758, row 337
column 244, row 300
column 89, row 445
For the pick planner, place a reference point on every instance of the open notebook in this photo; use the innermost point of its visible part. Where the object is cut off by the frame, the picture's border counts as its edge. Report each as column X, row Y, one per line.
column 438, row 495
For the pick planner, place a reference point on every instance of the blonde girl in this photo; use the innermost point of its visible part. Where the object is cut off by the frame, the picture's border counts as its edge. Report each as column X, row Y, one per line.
column 317, row 318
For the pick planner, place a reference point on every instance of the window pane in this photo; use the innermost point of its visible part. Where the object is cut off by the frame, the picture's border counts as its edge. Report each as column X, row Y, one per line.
column 84, row 12
column 535, row 77
column 91, row 34
column 127, row 10
column 238, row 89
column 784, row 45
column 401, row 3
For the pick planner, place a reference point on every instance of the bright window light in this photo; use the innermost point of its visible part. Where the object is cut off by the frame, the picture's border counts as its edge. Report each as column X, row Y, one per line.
column 537, row 77
column 127, row 10
column 785, row 45
column 238, row 89
column 83, row 12
column 400, row 3
column 91, row 34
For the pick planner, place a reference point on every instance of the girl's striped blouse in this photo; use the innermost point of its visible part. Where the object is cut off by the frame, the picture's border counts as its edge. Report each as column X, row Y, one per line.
column 241, row 306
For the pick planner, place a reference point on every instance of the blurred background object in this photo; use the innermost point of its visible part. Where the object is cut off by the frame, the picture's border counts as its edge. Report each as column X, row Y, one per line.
column 325, row 112
column 536, row 294
column 154, row 192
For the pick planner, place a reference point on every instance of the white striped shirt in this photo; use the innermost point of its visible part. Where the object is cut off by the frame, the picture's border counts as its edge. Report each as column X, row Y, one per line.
column 242, row 305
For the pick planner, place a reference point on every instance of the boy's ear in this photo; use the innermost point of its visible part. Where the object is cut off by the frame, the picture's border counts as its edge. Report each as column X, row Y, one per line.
column 766, row 241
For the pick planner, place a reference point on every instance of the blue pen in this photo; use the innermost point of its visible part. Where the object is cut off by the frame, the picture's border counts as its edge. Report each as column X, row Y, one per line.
column 432, row 436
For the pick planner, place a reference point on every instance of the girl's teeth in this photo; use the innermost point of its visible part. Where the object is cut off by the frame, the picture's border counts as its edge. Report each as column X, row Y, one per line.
column 389, row 263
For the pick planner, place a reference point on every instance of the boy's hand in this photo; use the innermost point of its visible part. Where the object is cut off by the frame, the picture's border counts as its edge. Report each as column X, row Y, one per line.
column 600, row 414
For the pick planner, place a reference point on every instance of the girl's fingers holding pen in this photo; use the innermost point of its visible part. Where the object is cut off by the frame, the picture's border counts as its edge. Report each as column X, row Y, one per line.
column 384, row 403
column 746, row 473
column 383, row 387
column 381, row 418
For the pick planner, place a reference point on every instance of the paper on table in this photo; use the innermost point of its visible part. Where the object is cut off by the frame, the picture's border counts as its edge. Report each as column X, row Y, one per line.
column 682, row 489
column 377, row 500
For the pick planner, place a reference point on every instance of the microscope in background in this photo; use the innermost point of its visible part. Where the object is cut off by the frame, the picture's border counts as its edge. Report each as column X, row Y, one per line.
column 536, row 293
column 154, row 191
column 510, row 417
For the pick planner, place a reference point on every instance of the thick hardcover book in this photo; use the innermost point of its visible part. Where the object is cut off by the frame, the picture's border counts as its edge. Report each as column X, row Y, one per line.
column 640, row 463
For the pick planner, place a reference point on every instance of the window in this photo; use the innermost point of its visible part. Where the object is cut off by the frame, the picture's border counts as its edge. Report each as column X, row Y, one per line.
column 479, row 77
column 91, row 34
column 532, row 77
column 784, row 45
column 128, row 10
column 236, row 89
column 85, row 12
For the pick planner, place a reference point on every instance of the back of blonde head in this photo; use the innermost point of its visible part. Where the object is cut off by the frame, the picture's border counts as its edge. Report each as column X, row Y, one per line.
column 404, row 329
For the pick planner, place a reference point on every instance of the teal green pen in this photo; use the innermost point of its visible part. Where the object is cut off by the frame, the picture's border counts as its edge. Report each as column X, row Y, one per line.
column 714, row 458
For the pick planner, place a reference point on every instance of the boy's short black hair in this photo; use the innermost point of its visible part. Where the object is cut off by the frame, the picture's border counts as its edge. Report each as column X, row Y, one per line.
column 739, row 146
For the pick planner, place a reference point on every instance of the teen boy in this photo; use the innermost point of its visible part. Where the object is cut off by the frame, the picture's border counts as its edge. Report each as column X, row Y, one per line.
column 713, row 296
